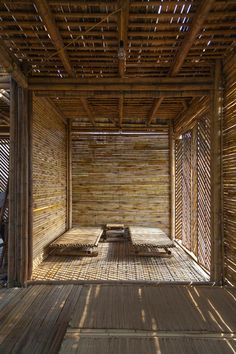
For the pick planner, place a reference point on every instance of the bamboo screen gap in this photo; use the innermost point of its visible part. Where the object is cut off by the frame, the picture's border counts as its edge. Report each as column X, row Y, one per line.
column 192, row 190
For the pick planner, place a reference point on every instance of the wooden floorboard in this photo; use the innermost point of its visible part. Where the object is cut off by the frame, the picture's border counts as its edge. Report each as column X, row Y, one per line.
column 115, row 262
column 99, row 319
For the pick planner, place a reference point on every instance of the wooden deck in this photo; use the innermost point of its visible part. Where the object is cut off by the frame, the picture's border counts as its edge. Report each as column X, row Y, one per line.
column 115, row 262
column 100, row 319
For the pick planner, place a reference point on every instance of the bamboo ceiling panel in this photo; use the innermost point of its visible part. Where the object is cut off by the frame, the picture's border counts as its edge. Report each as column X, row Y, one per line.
column 148, row 236
column 89, row 30
column 78, row 237
column 49, row 176
column 121, row 179
column 229, row 169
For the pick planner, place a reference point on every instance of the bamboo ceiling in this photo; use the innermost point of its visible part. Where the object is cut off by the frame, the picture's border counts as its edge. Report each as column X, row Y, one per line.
column 119, row 45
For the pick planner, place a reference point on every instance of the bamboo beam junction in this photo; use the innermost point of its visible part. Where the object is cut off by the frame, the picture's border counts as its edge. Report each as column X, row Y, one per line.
column 88, row 110
column 11, row 65
column 49, row 21
column 123, row 19
column 154, row 109
column 189, row 39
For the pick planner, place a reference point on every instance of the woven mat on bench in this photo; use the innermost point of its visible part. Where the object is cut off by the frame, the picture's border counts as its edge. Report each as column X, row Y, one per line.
column 149, row 236
column 78, row 237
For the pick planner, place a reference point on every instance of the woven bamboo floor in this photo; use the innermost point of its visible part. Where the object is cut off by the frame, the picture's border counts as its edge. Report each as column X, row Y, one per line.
column 119, row 319
column 114, row 262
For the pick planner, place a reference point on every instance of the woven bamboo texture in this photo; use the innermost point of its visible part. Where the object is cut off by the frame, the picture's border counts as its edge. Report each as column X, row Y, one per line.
column 78, row 237
column 147, row 236
column 121, row 179
column 229, row 169
column 116, row 262
column 49, row 177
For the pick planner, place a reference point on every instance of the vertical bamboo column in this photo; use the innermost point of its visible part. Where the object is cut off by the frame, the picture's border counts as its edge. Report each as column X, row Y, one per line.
column 20, row 188
column 172, row 181
column 69, row 177
column 216, row 192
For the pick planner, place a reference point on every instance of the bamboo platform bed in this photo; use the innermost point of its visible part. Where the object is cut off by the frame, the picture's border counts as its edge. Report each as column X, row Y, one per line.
column 115, row 262
column 149, row 241
column 78, row 241
column 165, row 319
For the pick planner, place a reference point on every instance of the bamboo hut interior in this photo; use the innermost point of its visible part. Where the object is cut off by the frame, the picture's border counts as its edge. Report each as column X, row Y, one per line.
column 118, row 126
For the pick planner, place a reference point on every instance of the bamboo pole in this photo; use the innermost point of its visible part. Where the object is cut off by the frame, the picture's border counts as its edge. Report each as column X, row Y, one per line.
column 69, row 177
column 20, row 193
column 216, row 193
column 172, row 181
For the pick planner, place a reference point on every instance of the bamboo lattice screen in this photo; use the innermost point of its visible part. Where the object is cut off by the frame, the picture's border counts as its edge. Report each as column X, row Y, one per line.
column 4, row 166
column 193, row 189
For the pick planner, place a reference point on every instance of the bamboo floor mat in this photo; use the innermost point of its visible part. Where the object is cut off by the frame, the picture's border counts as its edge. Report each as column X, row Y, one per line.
column 114, row 262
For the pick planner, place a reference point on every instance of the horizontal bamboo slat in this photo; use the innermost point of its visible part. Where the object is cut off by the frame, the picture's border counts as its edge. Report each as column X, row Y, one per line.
column 121, row 179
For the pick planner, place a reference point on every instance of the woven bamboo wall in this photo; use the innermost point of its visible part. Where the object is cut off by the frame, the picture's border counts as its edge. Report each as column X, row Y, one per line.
column 229, row 169
column 49, row 177
column 192, row 184
column 123, row 179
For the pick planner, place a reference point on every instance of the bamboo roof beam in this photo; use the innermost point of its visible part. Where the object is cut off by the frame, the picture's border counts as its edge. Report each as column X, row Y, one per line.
column 196, row 25
column 49, row 21
column 88, row 110
column 123, row 19
column 121, row 110
column 154, row 109
column 11, row 65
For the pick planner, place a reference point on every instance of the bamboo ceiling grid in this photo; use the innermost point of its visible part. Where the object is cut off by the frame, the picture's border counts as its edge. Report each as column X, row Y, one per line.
column 78, row 38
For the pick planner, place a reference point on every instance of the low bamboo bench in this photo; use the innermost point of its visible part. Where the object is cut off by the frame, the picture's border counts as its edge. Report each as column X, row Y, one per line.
column 147, row 241
column 78, row 241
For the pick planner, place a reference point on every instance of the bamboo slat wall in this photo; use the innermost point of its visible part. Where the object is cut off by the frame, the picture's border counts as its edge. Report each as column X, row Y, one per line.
column 204, row 194
column 121, row 179
column 192, row 186
column 229, row 169
column 49, row 177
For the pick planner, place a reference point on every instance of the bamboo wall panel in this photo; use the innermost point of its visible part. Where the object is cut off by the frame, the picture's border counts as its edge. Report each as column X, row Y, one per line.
column 121, row 179
column 49, row 177
column 187, row 197
column 178, row 188
column 229, row 169
column 193, row 184
column 204, row 193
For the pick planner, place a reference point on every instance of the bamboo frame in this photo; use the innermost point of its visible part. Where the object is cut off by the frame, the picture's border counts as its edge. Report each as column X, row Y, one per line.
column 20, row 188
column 216, row 193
